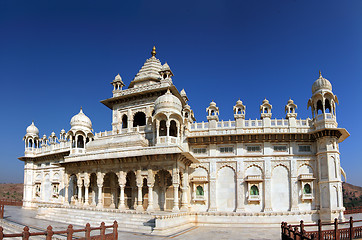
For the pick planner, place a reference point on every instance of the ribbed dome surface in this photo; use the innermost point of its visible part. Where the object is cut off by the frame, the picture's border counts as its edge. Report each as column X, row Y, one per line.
column 168, row 102
column 321, row 83
column 81, row 120
column 32, row 130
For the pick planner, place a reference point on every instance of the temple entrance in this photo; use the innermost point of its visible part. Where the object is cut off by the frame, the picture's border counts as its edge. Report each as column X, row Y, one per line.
column 110, row 190
column 144, row 194
column 93, row 191
column 72, row 189
column 130, row 191
column 164, row 191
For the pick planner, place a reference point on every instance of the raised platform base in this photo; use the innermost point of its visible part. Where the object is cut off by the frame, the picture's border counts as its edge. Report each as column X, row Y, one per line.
column 168, row 223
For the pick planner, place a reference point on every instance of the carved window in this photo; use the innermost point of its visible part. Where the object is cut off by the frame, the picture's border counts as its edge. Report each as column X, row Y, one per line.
column 173, row 129
column 139, row 119
column 226, row 149
column 163, row 129
column 199, row 150
column 80, row 142
column 305, row 148
column 255, row 148
column 199, row 191
column 124, row 121
column 307, row 189
column 280, row 148
column 37, row 190
column 254, row 190
column 56, row 190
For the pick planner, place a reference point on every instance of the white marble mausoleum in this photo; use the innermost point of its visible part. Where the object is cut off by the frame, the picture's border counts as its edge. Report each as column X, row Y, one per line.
column 158, row 170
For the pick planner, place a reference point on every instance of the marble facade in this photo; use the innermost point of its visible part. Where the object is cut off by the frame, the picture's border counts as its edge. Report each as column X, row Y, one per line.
column 157, row 158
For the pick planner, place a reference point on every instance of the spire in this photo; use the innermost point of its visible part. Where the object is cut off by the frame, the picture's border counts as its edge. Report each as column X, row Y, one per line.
column 153, row 53
column 320, row 74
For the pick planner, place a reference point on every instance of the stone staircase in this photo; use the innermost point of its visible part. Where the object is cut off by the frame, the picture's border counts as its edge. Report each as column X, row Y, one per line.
column 127, row 221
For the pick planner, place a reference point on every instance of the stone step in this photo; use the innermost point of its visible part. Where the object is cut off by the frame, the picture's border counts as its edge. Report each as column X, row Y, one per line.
column 126, row 222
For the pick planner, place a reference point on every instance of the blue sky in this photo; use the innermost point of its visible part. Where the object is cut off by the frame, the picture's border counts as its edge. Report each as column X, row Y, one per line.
column 56, row 56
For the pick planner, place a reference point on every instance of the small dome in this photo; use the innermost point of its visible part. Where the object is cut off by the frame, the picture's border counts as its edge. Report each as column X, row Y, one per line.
column 290, row 101
column 213, row 103
column 165, row 67
column 321, row 83
column 32, row 130
column 81, row 120
column 168, row 102
column 183, row 92
column 239, row 102
column 265, row 101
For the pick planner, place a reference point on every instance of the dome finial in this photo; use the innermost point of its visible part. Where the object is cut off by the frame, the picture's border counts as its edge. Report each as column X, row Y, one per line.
column 320, row 73
column 153, row 53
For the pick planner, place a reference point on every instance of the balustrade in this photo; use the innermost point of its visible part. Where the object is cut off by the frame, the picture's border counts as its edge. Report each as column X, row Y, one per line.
column 290, row 232
column 49, row 233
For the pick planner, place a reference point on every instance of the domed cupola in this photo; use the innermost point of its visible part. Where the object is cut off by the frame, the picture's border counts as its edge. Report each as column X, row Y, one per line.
column 323, row 104
column 80, row 132
column 168, row 103
column 81, row 121
column 321, row 84
column 31, row 138
column 32, row 130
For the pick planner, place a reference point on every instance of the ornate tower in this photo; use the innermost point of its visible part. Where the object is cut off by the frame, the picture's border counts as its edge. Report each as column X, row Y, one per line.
column 323, row 105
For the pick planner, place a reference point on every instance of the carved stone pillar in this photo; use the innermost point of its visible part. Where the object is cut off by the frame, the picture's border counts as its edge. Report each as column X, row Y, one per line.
column 212, row 207
column 139, row 183
column 150, row 183
column 66, row 192
column 80, row 185
column 100, row 192
column 294, row 194
column 240, row 192
column 176, row 185
column 122, row 183
column 184, row 188
column 267, row 196
column 86, row 189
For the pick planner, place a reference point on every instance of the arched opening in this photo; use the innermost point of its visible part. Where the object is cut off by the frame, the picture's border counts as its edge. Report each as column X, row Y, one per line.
column 173, row 128
column 327, row 105
column 139, row 119
column 130, row 191
column 35, row 143
column 163, row 129
column 73, row 189
column 319, row 107
column 93, row 196
column 186, row 115
column 145, row 194
column 110, row 190
column 124, row 121
column 239, row 110
column 254, row 190
column 226, row 190
column 31, row 143
column 212, row 112
column 291, row 110
column 163, row 197
column 307, row 189
column 80, row 141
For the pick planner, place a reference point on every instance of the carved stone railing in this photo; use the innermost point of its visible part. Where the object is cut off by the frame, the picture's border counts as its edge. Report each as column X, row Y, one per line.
column 338, row 232
column 250, row 126
column 49, row 233
column 162, row 84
